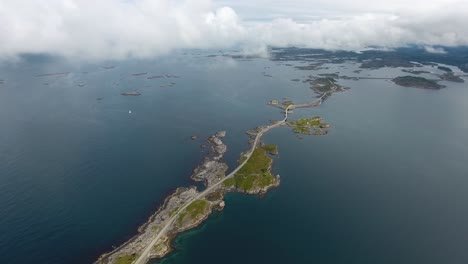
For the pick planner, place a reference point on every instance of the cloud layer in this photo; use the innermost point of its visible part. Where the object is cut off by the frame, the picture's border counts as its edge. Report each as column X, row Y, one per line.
column 117, row 29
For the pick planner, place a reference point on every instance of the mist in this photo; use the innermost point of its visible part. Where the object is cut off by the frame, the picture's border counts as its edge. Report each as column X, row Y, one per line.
column 111, row 29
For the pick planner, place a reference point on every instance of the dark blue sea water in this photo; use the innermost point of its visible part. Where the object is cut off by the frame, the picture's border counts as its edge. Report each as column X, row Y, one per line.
column 388, row 184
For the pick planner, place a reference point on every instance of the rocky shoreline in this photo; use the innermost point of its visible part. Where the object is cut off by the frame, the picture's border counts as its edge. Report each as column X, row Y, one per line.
column 211, row 171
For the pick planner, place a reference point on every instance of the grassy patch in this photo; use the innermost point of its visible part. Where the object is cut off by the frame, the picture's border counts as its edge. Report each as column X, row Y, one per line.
column 271, row 149
column 324, row 84
column 229, row 182
column 305, row 125
column 194, row 209
column 214, row 196
column 256, row 172
column 242, row 159
column 287, row 103
column 127, row 259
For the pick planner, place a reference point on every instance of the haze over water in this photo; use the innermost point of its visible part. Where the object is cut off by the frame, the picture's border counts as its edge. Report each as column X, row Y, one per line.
column 79, row 175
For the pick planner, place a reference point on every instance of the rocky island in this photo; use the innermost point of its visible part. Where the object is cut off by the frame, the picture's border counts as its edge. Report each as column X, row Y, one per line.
column 139, row 73
column 53, row 74
column 133, row 93
column 417, row 82
column 387, row 60
column 212, row 169
column 414, row 71
column 325, row 84
column 451, row 77
column 309, row 126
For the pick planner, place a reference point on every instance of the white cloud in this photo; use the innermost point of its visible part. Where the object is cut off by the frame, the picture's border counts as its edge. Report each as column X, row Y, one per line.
column 113, row 29
column 143, row 28
column 435, row 50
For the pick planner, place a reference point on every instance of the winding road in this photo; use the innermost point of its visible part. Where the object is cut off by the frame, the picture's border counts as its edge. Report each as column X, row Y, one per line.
column 144, row 257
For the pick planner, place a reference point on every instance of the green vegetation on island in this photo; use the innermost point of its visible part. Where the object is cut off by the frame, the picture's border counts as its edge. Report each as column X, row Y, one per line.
column 255, row 174
column 215, row 196
column 326, row 84
column 229, row 182
column 445, row 69
column 282, row 105
column 386, row 61
column 451, row 77
column 410, row 57
column 414, row 71
column 287, row 103
column 330, row 75
column 195, row 209
column 127, row 259
column 271, row 149
column 309, row 126
column 417, row 82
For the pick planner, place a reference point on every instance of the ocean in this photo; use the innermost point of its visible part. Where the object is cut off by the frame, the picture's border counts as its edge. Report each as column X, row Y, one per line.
column 79, row 175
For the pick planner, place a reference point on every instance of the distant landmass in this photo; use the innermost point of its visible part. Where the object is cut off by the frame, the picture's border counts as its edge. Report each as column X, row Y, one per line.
column 418, row 82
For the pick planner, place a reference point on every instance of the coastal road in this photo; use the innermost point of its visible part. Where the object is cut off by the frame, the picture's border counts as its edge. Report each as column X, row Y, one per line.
column 144, row 257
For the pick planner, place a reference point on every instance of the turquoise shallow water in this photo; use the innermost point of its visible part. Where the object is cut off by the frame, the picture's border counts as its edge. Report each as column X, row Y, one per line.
column 77, row 175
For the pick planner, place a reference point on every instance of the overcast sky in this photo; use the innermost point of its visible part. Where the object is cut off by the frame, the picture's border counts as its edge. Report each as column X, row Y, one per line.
column 117, row 29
